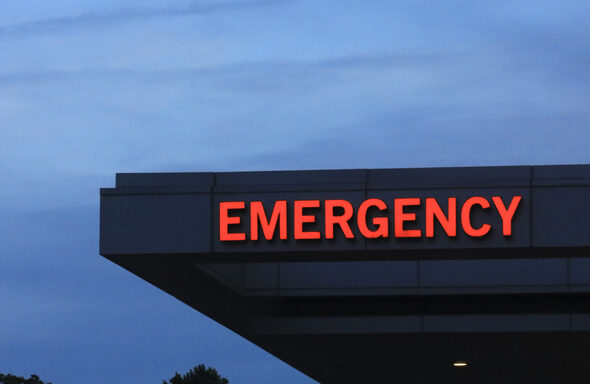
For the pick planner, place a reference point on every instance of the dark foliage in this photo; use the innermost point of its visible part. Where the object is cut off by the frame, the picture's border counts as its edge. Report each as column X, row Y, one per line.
column 198, row 375
column 11, row 379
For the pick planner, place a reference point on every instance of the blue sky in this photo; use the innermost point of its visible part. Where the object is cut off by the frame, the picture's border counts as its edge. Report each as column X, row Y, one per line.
column 88, row 89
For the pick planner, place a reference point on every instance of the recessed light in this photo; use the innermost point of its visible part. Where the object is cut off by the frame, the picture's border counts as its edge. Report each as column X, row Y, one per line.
column 460, row 364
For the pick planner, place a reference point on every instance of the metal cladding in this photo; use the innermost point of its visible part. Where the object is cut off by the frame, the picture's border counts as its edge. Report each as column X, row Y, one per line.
column 391, row 273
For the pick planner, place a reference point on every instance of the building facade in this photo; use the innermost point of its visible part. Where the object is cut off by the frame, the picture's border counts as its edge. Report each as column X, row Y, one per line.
column 432, row 275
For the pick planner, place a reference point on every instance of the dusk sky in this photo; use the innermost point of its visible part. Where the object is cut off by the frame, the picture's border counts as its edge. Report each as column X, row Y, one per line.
column 92, row 88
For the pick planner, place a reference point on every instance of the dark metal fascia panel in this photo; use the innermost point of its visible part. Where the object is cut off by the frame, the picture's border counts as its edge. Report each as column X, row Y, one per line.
column 154, row 191
column 460, row 177
column 289, row 188
column 291, row 178
column 172, row 179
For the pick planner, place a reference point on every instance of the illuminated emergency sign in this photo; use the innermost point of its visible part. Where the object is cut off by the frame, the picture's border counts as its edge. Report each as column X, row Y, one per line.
column 292, row 220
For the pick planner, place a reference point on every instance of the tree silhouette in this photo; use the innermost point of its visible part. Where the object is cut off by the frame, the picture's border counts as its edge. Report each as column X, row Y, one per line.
column 198, row 375
column 11, row 379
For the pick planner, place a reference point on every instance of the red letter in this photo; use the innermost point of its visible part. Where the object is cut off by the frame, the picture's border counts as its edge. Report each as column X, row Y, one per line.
column 268, row 227
column 449, row 223
column 299, row 219
column 342, row 221
column 225, row 221
column 506, row 214
column 466, row 217
column 401, row 217
column 382, row 223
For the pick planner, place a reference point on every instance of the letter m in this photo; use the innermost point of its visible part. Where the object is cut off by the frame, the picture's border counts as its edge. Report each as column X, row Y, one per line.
column 279, row 215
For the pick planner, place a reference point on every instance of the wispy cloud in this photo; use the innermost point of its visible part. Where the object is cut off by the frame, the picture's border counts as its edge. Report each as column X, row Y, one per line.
column 123, row 15
column 357, row 61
